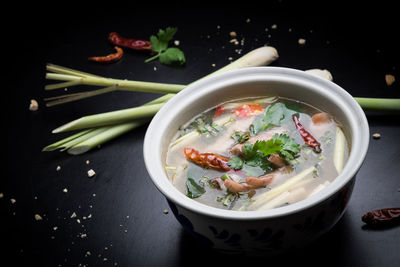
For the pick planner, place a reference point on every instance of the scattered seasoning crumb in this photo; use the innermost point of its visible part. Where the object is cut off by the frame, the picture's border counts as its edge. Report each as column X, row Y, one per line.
column 1, row 195
column 13, row 200
column 165, row 211
column 38, row 217
column 65, row 190
column 91, row 173
column 33, row 105
column 230, row 58
column 83, row 235
column 87, row 162
column 88, row 254
column 177, row 42
column 73, row 215
column 390, row 79
column 155, row 68
column 78, row 221
column 235, row 41
column 213, row 65
column 376, row 135
column 58, row 168
column 302, row 41
column 248, row 20
column 274, row 27
column 233, row 34
column 55, row 228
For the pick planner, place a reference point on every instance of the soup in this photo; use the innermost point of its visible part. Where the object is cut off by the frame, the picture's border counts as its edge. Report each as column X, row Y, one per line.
column 256, row 154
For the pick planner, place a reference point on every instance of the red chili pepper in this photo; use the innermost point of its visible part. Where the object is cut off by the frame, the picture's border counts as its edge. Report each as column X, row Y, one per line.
column 307, row 137
column 110, row 58
column 219, row 111
column 382, row 217
column 135, row 44
column 207, row 159
column 247, row 110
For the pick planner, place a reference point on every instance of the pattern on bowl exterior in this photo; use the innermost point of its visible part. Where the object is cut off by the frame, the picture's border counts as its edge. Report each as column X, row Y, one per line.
column 258, row 232
column 273, row 236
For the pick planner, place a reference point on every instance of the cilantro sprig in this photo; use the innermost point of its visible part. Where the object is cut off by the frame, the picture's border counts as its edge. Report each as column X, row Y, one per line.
column 275, row 115
column 256, row 155
column 167, row 55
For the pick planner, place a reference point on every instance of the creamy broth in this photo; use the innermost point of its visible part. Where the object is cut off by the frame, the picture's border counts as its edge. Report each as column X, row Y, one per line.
column 257, row 158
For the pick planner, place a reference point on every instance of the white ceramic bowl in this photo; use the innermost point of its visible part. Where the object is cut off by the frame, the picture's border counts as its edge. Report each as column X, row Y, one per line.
column 258, row 231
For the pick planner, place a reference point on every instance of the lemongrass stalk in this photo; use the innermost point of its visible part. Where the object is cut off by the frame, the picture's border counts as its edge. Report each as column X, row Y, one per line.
column 137, row 86
column 108, row 118
column 82, row 138
column 61, row 85
column 64, row 70
column 379, row 104
column 262, row 56
column 73, row 97
column 58, row 144
column 102, row 138
column 108, row 134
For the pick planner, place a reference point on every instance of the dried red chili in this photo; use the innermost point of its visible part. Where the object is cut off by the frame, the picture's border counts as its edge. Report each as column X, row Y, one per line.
column 109, row 58
column 207, row 159
column 135, row 44
column 307, row 137
column 382, row 216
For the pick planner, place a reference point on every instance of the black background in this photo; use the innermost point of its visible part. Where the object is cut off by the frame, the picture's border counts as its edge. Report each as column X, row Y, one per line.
column 127, row 227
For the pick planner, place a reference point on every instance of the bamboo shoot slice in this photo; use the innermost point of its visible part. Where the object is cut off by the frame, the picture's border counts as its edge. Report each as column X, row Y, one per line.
column 339, row 150
column 275, row 202
column 288, row 185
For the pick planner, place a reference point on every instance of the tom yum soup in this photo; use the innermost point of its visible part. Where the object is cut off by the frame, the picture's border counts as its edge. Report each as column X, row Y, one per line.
column 256, row 154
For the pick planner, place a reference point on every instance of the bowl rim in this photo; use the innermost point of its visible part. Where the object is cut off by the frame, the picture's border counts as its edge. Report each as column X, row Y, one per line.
column 355, row 114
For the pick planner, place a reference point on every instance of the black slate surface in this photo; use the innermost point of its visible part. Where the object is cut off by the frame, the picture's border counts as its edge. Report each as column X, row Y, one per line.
column 127, row 226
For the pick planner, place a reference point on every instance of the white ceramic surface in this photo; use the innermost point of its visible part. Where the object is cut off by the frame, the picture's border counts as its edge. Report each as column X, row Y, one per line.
column 258, row 231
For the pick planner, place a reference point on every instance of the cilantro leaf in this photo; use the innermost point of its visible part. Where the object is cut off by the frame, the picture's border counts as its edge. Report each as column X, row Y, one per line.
column 275, row 115
column 289, row 144
column 256, row 155
column 236, row 163
column 194, row 190
column 172, row 56
column 159, row 44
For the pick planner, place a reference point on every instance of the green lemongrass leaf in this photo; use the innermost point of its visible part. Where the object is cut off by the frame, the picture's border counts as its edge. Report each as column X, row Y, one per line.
column 126, row 85
column 379, row 104
column 77, row 96
column 62, row 85
column 82, row 138
column 257, row 57
column 63, row 70
column 109, row 118
column 103, row 137
column 58, row 144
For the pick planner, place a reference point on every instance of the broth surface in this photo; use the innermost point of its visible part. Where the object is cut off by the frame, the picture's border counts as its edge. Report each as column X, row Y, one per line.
column 212, row 132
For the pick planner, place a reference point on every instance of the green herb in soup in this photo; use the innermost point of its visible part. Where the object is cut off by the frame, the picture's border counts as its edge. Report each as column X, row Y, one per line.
column 256, row 154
